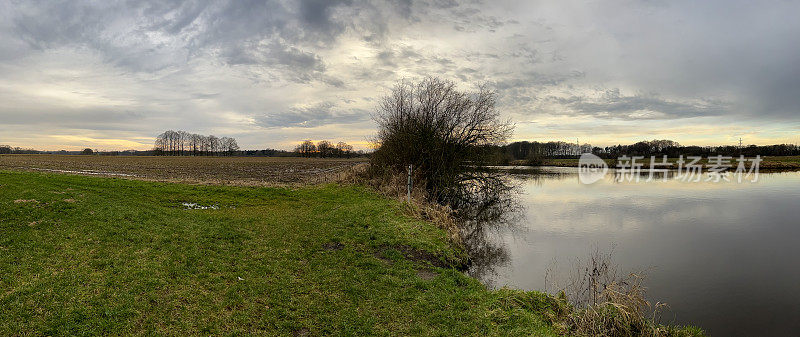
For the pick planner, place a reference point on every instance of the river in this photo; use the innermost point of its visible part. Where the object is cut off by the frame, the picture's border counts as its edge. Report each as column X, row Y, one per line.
column 724, row 256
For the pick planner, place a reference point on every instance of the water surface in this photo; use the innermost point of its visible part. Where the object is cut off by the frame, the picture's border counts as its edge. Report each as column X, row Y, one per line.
column 724, row 256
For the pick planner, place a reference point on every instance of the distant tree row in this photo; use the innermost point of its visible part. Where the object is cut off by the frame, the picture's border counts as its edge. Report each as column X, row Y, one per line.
column 526, row 150
column 166, row 145
column 182, row 143
column 661, row 148
column 268, row 153
column 533, row 151
column 5, row 149
column 325, row 149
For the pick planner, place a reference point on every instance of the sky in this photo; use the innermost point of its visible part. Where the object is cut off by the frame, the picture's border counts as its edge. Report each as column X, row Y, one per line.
column 112, row 75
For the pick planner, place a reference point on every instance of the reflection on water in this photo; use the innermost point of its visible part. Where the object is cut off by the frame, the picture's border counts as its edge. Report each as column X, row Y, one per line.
column 491, row 206
column 724, row 256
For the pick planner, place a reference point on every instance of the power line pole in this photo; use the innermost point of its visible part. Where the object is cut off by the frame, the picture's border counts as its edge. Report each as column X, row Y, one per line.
column 740, row 146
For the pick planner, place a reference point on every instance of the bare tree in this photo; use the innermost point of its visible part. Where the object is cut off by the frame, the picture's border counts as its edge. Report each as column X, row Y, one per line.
column 205, row 145
column 343, row 149
column 213, row 144
column 306, row 148
column 195, row 142
column 440, row 130
column 178, row 143
column 229, row 146
column 325, row 149
column 183, row 141
column 167, row 142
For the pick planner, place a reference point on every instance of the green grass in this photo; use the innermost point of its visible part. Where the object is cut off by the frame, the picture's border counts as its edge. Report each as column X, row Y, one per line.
column 110, row 256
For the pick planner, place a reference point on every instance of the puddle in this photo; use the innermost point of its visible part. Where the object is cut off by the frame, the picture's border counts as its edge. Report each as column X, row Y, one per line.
column 191, row 205
column 91, row 172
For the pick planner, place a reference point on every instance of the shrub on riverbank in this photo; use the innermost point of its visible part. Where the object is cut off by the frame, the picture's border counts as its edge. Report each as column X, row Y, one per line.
column 441, row 131
column 599, row 300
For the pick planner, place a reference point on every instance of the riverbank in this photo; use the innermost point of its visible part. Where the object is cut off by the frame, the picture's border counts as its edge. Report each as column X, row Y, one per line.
column 85, row 255
column 90, row 255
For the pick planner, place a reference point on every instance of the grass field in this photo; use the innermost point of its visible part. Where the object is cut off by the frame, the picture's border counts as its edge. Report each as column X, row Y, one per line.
column 88, row 255
column 245, row 171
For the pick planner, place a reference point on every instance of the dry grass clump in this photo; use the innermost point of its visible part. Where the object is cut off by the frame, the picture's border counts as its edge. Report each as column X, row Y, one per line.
column 620, row 310
column 601, row 301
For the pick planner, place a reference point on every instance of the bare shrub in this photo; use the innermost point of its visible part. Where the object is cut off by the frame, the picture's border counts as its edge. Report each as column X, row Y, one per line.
column 441, row 131
column 607, row 302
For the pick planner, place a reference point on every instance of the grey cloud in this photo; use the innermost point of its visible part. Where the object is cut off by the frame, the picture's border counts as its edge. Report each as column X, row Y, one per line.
column 145, row 36
column 473, row 22
column 373, row 74
column 306, row 117
column 221, row 60
column 205, row 96
column 444, row 3
column 403, row 7
column 301, row 64
column 94, row 118
column 108, row 28
column 533, row 79
column 392, row 57
column 387, row 58
column 738, row 51
column 150, row 36
column 317, row 13
column 613, row 105
column 334, row 82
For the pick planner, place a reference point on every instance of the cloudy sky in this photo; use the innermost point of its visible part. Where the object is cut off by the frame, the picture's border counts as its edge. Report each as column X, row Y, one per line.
column 114, row 74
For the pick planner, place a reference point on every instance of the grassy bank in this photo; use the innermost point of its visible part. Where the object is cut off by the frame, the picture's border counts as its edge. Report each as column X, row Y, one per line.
column 86, row 255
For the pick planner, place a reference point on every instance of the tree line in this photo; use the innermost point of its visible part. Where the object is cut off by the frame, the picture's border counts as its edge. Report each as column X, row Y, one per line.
column 178, row 143
column 182, row 143
column 533, row 151
column 325, row 149
column 6, row 149
column 648, row 149
column 556, row 149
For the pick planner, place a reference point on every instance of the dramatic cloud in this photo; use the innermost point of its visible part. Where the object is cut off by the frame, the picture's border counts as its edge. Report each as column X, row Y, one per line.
column 320, row 114
column 114, row 74
column 612, row 105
